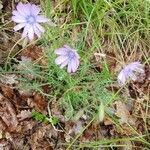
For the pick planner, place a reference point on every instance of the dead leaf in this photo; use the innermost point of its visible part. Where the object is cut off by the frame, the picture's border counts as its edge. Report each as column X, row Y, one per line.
column 8, row 114
column 8, row 91
column 56, row 111
column 123, row 113
column 2, row 125
column 5, row 145
column 35, row 53
column 38, row 102
column 26, row 126
column 37, row 139
column 24, row 114
column 90, row 133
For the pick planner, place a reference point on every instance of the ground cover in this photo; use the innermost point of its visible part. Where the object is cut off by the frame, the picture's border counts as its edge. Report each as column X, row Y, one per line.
column 43, row 106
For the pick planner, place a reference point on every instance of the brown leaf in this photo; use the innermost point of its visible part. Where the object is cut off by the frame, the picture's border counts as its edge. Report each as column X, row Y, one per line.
column 90, row 133
column 5, row 145
column 38, row 141
column 38, row 102
column 8, row 91
column 123, row 113
column 8, row 114
column 56, row 111
column 36, row 53
column 6, row 43
column 2, row 125
column 26, row 126
column 24, row 114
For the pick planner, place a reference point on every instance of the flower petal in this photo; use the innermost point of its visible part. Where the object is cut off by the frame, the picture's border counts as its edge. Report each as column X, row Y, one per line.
column 40, row 27
column 133, row 77
column 59, row 60
column 35, row 9
column 64, row 64
column 31, row 33
column 130, row 71
column 61, row 51
column 77, row 63
column 140, row 70
column 19, row 26
column 16, row 13
column 18, row 19
column 73, row 65
column 25, row 31
column 24, row 9
column 37, row 31
column 121, row 78
column 69, row 68
column 67, row 47
column 41, row 19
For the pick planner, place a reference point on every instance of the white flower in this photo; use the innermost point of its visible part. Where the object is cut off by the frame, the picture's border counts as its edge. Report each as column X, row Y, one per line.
column 67, row 56
column 26, row 15
column 130, row 71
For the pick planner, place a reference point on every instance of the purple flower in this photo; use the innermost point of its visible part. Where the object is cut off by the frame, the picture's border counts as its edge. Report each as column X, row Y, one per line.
column 26, row 15
column 67, row 56
column 130, row 71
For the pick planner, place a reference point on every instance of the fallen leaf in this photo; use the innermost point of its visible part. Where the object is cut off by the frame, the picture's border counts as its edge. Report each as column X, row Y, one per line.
column 2, row 125
column 38, row 102
column 56, row 111
column 35, row 53
column 26, row 126
column 7, row 91
column 8, row 114
column 37, row 139
column 123, row 113
column 90, row 133
column 5, row 145
column 24, row 114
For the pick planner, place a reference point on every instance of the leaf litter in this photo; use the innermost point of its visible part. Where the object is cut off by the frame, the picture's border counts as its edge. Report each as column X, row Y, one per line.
column 18, row 130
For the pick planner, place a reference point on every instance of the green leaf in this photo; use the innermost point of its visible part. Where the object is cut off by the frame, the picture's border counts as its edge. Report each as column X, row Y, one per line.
column 101, row 112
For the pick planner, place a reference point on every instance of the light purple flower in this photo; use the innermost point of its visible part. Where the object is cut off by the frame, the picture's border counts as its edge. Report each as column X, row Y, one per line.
column 130, row 72
column 67, row 56
column 26, row 15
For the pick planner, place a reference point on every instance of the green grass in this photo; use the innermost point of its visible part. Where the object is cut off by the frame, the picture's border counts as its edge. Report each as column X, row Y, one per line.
column 105, row 26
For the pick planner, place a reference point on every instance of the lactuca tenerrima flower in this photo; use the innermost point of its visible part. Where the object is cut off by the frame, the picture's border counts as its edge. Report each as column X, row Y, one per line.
column 27, row 16
column 67, row 56
column 130, row 72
